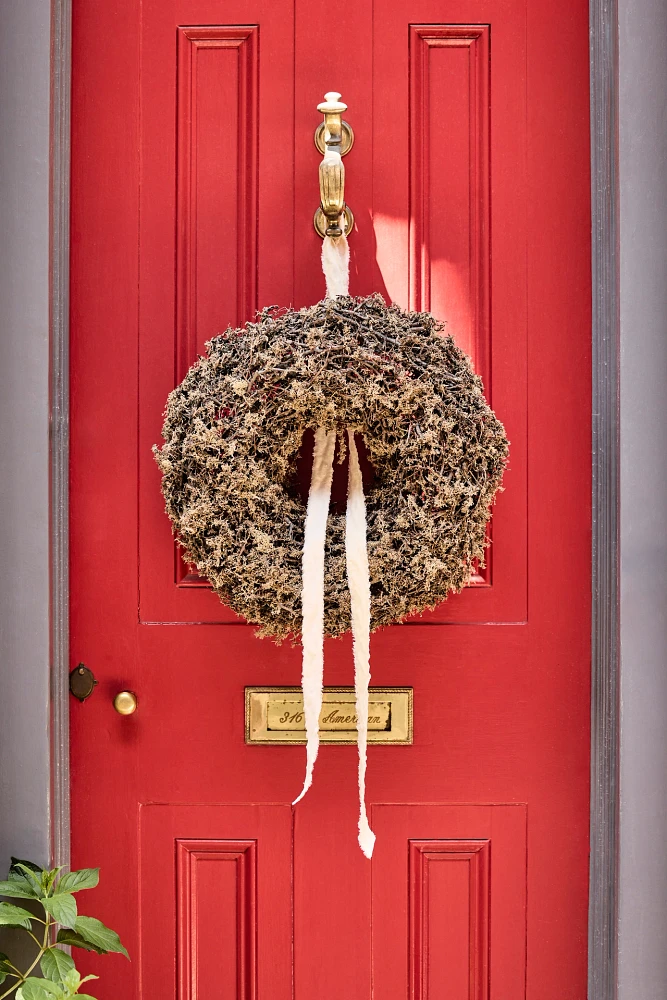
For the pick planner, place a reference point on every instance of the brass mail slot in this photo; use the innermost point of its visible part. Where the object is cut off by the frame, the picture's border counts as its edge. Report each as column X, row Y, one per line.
column 275, row 715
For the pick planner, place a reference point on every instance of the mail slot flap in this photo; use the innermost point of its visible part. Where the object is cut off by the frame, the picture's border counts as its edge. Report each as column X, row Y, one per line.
column 276, row 715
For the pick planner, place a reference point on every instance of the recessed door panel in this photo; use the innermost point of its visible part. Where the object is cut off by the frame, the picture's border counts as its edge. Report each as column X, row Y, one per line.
column 214, row 881
column 450, row 880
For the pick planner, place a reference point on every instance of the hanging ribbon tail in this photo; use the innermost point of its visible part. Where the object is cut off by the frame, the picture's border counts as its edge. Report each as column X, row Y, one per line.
column 336, row 265
column 312, row 594
column 356, row 555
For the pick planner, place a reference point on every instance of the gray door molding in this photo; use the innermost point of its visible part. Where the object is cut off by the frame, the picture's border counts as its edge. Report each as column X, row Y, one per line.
column 605, row 475
column 605, row 645
column 61, row 67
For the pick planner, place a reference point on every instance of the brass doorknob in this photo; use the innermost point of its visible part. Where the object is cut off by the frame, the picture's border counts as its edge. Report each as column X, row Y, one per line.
column 125, row 702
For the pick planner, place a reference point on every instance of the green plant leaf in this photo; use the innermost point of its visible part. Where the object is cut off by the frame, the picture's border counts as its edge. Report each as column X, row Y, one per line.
column 37, row 869
column 94, row 931
column 86, row 878
column 15, row 878
column 48, row 878
column 75, row 940
column 17, row 889
column 55, row 964
column 84, row 996
column 39, row 989
column 62, row 908
column 14, row 916
column 32, row 884
column 6, row 967
column 30, row 876
column 72, row 982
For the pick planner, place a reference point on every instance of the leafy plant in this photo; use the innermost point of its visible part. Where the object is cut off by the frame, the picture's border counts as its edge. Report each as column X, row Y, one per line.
column 61, row 925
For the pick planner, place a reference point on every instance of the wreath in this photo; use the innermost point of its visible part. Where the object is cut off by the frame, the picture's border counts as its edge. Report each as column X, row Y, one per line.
column 234, row 428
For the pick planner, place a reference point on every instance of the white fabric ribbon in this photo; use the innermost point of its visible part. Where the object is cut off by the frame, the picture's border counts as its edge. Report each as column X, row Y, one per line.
column 335, row 264
column 312, row 594
column 356, row 558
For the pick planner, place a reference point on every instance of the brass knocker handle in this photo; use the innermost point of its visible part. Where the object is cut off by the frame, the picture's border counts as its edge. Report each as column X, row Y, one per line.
column 333, row 132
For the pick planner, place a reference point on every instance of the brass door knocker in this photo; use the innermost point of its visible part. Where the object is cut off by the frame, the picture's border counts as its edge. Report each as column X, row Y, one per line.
column 333, row 138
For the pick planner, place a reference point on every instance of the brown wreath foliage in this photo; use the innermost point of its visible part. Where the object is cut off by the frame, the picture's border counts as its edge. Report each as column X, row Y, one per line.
column 234, row 426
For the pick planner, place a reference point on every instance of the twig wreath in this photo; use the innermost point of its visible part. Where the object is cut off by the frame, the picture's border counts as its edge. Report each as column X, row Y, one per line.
column 234, row 428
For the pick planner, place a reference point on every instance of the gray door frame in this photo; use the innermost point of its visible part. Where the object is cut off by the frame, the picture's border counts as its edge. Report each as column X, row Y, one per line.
column 605, row 548
column 61, row 76
column 605, row 618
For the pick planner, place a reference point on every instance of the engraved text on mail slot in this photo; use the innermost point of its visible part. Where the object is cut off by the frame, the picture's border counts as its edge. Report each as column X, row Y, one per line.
column 288, row 714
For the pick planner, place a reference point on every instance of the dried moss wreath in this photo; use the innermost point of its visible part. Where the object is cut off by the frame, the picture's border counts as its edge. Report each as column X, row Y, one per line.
column 233, row 431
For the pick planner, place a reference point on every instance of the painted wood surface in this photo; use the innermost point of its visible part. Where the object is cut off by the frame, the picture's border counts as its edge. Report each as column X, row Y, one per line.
column 194, row 186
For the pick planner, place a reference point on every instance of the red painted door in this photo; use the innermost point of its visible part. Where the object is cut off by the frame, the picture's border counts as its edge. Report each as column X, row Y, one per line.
column 194, row 182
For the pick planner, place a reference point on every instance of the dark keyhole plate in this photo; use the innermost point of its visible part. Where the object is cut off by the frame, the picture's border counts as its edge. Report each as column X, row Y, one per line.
column 82, row 682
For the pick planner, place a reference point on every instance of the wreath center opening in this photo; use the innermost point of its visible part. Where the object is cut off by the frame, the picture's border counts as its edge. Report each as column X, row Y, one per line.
column 299, row 484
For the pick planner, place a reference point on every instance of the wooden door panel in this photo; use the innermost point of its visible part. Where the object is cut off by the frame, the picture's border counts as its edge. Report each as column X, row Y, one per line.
column 451, row 227
column 214, row 194
column 217, row 97
column 217, row 94
column 447, row 881
column 449, row 192
column 217, row 886
column 217, row 881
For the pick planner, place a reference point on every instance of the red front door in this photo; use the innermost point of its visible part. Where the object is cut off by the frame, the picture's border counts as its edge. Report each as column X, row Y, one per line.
column 194, row 183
